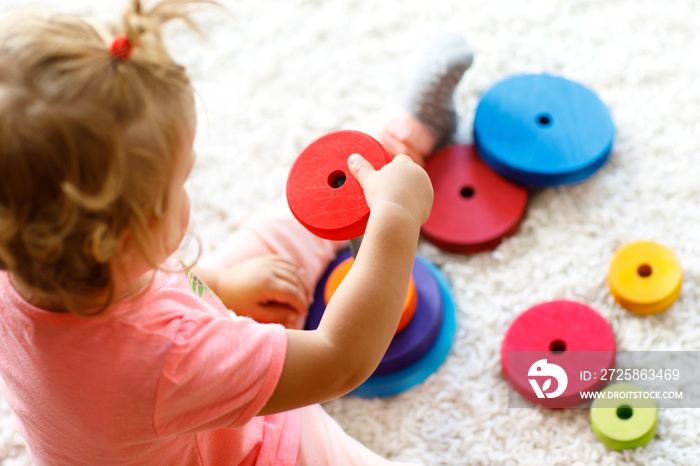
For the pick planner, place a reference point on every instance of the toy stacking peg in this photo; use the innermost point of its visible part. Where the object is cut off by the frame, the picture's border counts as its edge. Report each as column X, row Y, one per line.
column 321, row 192
column 474, row 208
column 543, row 130
column 568, row 334
column 625, row 421
column 645, row 277
column 330, row 203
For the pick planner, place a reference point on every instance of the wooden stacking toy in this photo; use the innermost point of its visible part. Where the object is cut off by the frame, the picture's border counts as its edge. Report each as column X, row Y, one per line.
column 474, row 208
column 329, row 202
column 568, row 334
column 626, row 421
column 420, row 347
column 645, row 277
column 543, row 130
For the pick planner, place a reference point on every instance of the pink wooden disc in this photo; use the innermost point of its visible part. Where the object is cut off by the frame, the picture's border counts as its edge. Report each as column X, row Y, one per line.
column 568, row 334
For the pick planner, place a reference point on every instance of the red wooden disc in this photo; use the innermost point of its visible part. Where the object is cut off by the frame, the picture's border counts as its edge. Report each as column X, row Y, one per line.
column 568, row 334
column 474, row 207
column 322, row 193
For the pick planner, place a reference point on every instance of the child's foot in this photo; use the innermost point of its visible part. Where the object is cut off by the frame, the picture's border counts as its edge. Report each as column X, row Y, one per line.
column 429, row 92
column 426, row 116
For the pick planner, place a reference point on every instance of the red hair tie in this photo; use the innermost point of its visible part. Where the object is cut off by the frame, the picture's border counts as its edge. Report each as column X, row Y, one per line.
column 121, row 47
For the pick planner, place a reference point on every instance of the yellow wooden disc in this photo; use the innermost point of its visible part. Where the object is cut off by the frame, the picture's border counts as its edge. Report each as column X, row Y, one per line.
column 645, row 277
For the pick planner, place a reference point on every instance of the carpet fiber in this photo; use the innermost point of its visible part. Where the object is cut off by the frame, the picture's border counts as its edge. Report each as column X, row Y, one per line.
column 274, row 75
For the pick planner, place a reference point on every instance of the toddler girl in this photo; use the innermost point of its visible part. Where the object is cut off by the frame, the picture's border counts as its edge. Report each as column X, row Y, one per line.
column 112, row 352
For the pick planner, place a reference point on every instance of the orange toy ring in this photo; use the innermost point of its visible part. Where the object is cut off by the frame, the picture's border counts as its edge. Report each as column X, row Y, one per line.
column 339, row 273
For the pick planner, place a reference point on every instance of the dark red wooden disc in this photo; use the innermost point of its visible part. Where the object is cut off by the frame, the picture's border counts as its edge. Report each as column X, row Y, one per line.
column 322, row 193
column 474, row 207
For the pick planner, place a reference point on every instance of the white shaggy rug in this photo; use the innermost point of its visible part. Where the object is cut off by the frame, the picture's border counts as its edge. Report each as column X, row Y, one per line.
column 276, row 74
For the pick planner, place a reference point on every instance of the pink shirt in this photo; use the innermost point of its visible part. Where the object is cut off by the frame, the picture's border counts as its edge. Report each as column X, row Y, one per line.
column 167, row 378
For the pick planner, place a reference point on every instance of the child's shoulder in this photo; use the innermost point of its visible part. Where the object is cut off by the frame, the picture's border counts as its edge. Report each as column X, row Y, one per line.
column 175, row 291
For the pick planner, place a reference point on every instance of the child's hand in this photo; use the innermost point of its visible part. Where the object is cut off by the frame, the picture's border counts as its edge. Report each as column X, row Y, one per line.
column 268, row 289
column 401, row 183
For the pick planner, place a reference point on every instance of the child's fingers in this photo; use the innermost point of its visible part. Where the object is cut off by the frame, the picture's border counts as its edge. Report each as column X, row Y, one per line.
column 279, row 313
column 287, row 270
column 360, row 168
column 292, row 278
column 288, row 293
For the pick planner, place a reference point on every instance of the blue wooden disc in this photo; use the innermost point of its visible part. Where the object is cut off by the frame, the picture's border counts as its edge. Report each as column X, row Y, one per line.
column 404, row 379
column 543, row 130
column 416, row 339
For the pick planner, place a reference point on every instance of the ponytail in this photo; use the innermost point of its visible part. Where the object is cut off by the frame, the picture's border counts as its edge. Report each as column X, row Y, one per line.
column 87, row 144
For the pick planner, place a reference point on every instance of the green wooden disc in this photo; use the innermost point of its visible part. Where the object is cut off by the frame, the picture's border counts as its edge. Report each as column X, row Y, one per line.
column 626, row 421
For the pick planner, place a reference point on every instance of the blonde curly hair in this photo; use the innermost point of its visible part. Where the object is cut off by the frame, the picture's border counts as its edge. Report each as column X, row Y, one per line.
column 87, row 144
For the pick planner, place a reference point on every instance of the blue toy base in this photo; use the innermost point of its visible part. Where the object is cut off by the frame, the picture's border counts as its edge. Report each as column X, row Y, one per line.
column 402, row 380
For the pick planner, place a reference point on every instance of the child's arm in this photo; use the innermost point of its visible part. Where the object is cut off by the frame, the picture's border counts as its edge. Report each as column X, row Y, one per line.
column 361, row 318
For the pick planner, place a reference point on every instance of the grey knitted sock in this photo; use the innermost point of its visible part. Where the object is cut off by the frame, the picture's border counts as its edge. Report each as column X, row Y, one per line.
column 428, row 91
